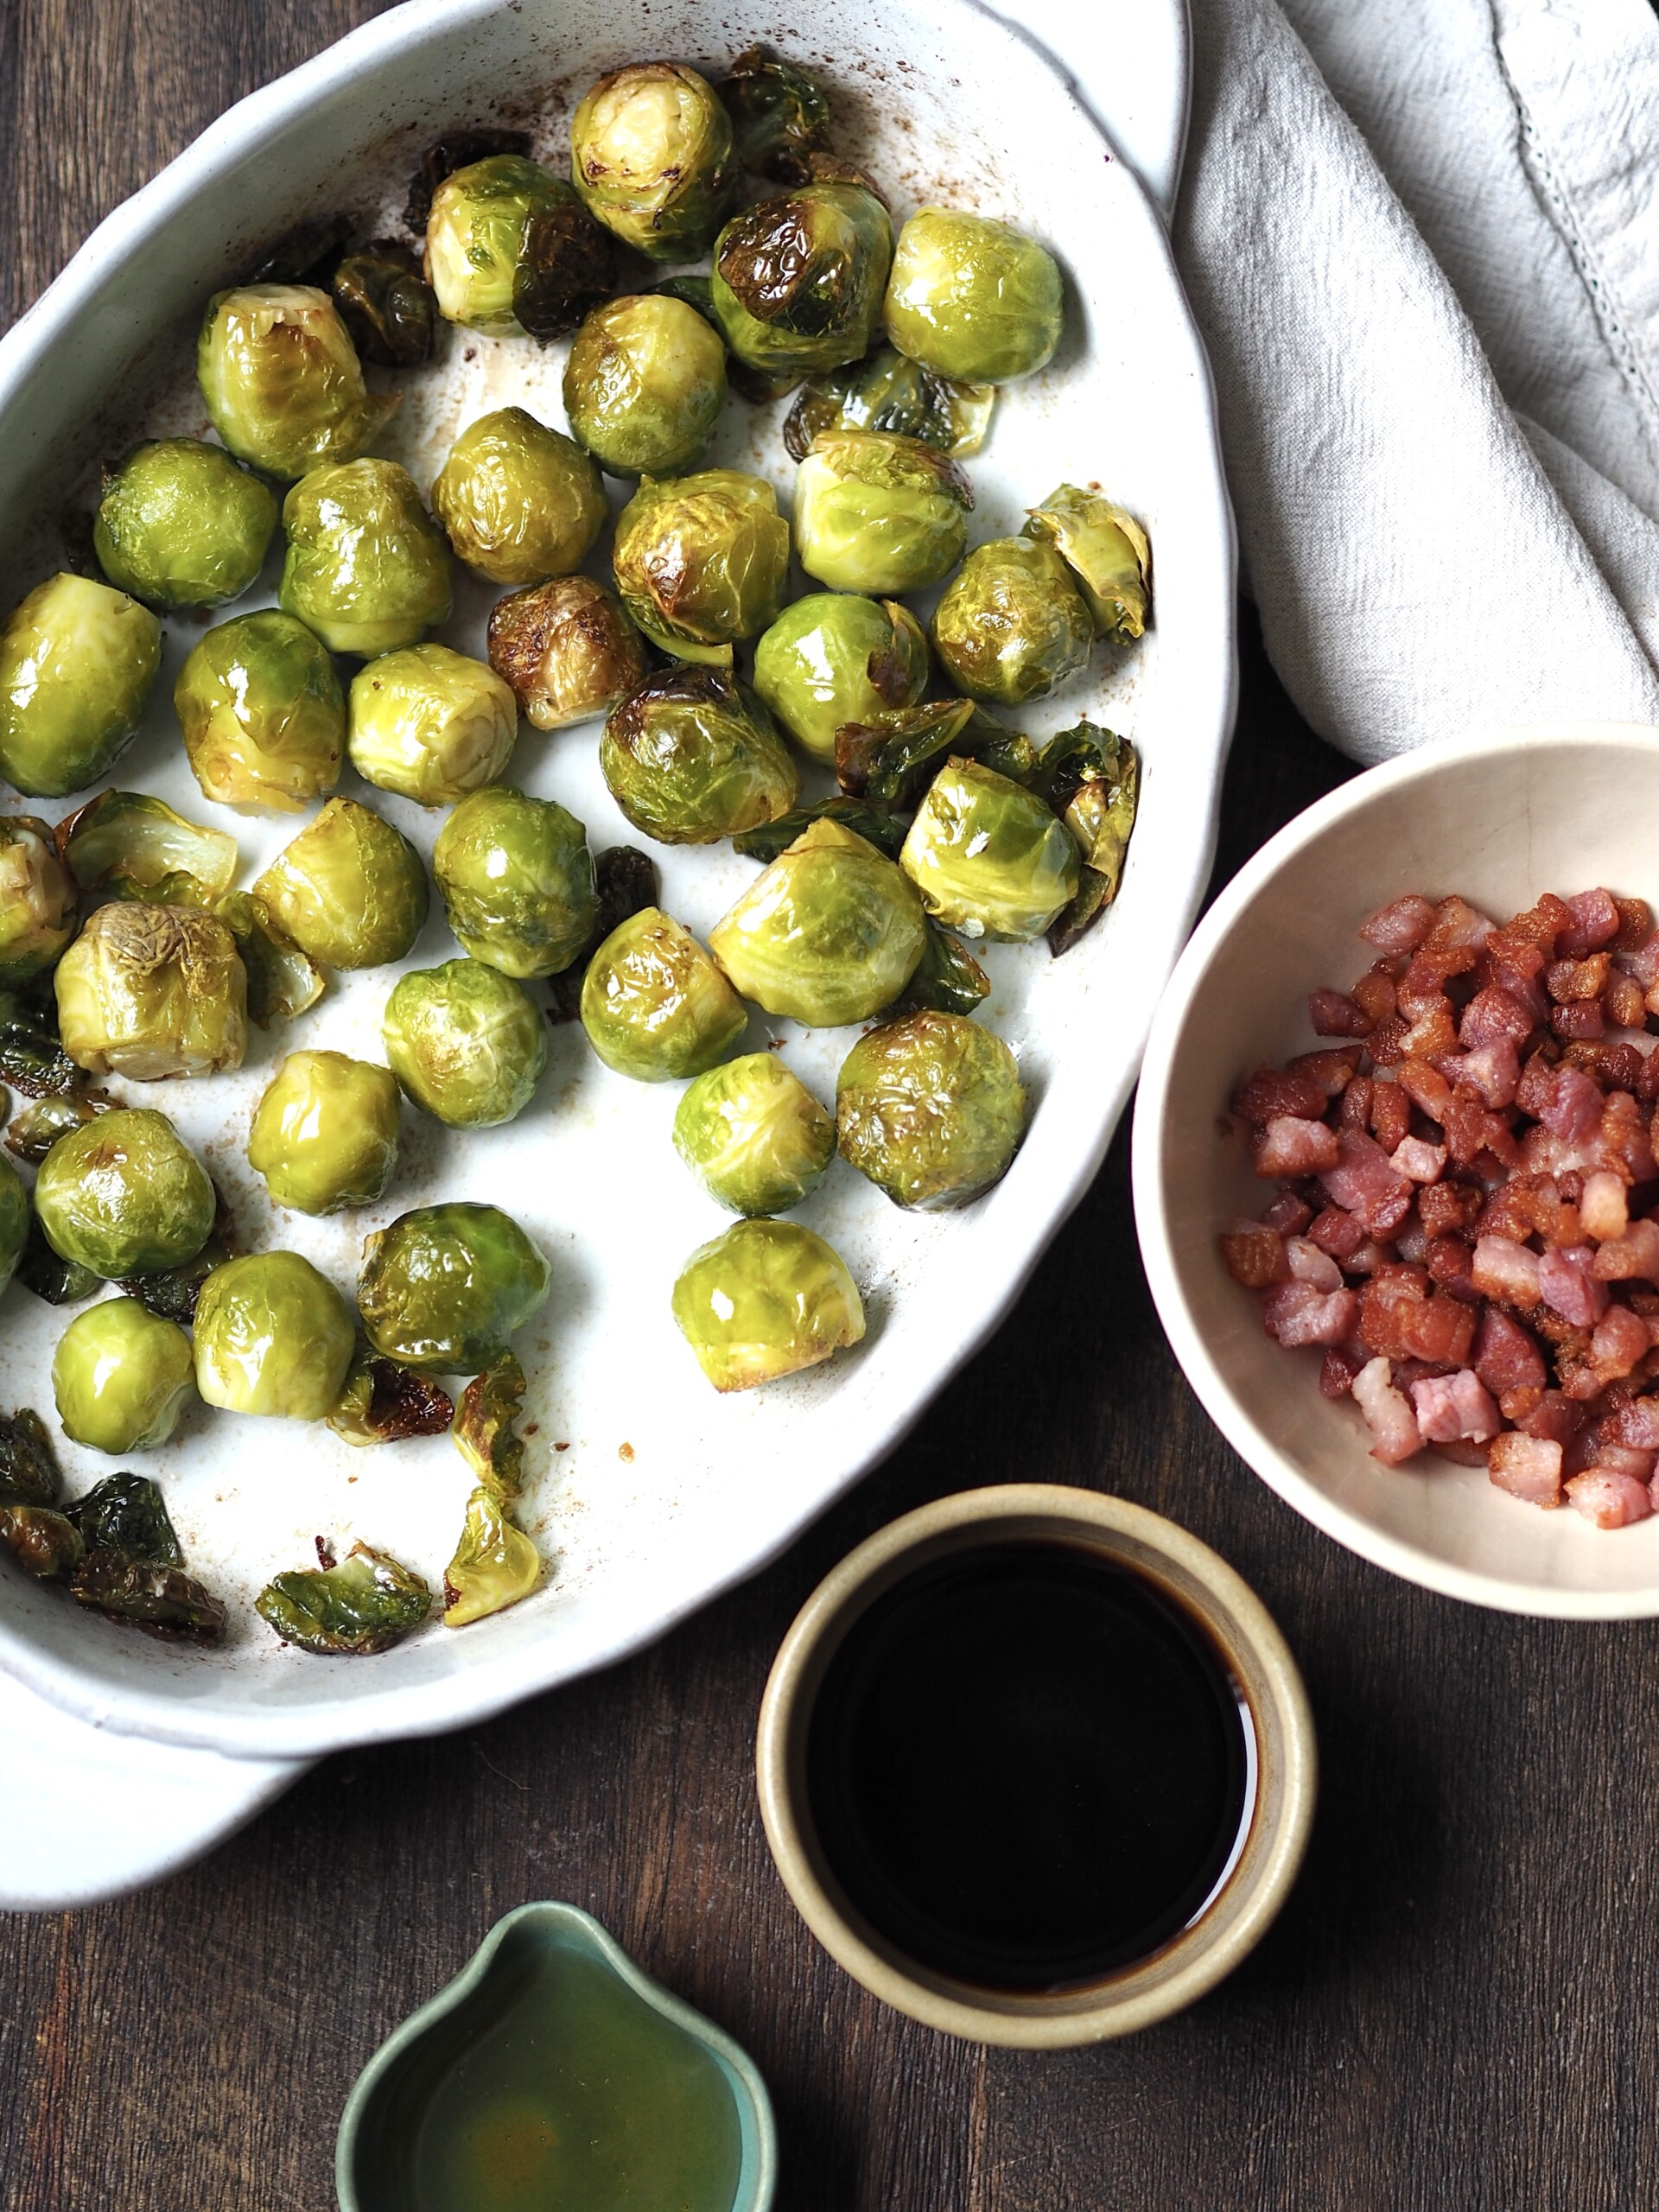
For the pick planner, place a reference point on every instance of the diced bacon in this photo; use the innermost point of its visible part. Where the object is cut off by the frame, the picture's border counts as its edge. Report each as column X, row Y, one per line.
column 1386, row 1042
column 1296, row 1313
column 1529, row 1467
column 1583, row 1022
column 1456, row 922
column 1635, row 1423
column 1423, row 985
column 1635, row 924
column 1567, row 980
column 1432, row 1033
column 1354, row 1106
column 1424, row 1086
column 1491, row 1016
column 1448, row 1209
column 1608, row 1500
column 1336, row 1233
column 1288, row 1214
column 1642, row 964
column 1448, row 1259
column 1333, row 1014
column 1439, row 1329
column 1267, row 1093
column 1390, row 1114
column 1506, row 1271
column 1289, row 1148
column 1615, row 1066
column 1572, row 1110
column 1522, row 979
column 1374, row 994
column 1594, row 923
column 1253, row 1256
column 1603, row 1208
column 1334, row 1069
column 1506, row 1355
column 1567, row 1284
column 1448, row 1407
column 1542, row 924
column 1635, row 1253
column 1623, row 1138
column 1309, row 1264
column 1418, row 1162
column 1620, row 1340
column 1337, row 1372
column 1624, row 1002
column 1555, row 1417
column 1361, row 1180
column 1395, row 1434
column 1620, row 1459
column 1411, row 1241
column 1370, row 1256
column 1493, row 1071
column 1401, row 926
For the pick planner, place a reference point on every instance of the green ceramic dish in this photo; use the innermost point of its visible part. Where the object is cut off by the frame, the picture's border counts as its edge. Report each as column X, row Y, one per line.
column 388, row 2121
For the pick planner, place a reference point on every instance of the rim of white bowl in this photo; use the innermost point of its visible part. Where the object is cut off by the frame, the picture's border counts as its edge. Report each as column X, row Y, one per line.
column 1429, row 1570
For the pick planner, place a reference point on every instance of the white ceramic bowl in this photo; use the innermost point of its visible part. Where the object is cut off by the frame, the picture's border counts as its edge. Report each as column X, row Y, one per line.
column 1499, row 817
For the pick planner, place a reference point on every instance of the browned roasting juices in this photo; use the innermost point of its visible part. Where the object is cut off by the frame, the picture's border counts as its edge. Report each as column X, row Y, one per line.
column 1027, row 1766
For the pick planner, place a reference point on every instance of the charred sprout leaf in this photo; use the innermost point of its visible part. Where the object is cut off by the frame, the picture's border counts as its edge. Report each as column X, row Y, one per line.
column 885, row 391
column 29, row 1474
column 884, row 827
column 125, row 1517
column 495, row 1565
column 43, row 1543
column 887, row 761
column 568, row 265
column 627, row 881
column 485, row 1431
column 14, row 1220
column 283, row 982
column 1094, row 895
column 59, row 1281
column 172, row 1292
column 948, row 980
column 695, row 289
column 366, row 1604
column 32, row 1057
column 32, row 1134
column 135, row 846
column 779, row 115
column 384, row 1403
column 387, row 305
column 1106, row 551
column 306, row 254
column 456, row 149
column 162, row 1600
column 1099, row 811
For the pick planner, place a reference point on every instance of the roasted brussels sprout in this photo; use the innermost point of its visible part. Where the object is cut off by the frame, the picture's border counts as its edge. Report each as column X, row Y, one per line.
column 494, row 1565
column 651, row 154
column 263, row 716
column 349, row 890
column 884, row 827
column 877, row 513
column 365, row 1604
column 693, row 756
column 778, row 115
column 973, row 299
column 834, row 657
column 324, row 1133
column 31, row 1134
column 702, row 561
column 308, row 254
column 654, row 1005
column 149, row 992
column 645, row 385
column 445, row 1287
column 521, row 503
column 282, row 381
column 456, row 149
column 28, row 1466
column 389, row 307
column 14, row 1221
column 124, row 1195
column 626, row 884
column 567, row 267
column 272, row 1336
column 366, row 568
column 431, row 724
column 466, row 1042
column 797, row 281
column 77, row 661
column 37, row 899
column 930, row 1108
column 384, row 1403
column 122, row 1376
column 283, row 981
column 764, row 1301
column 43, row 1543
column 567, row 649
column 1012, row 624
column 885, row 391
column 518, row 881
column 476, row 235
column 1108, row 553
column 831, row 932
column 754, row 1136
column 135, row 846
column 182, row 525
column 988, row 858
column 161, row 1600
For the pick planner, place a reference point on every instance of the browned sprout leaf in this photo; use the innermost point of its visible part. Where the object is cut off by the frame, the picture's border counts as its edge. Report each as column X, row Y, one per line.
column 456, row 149
column 486, row 1432
column 893, row 759
column 366, row 1604
column 306, row 254
column 884, row 827
column 387, row 304
column 29, row 1474
column 626, row 880
column 32, row 1057
column 384, row 1403
column 126, row 1516
column 947, row 980
column 43, row 1542
column 174, row 1293
column 161, row 1600
column 1091, row 777
column 568, row 265
column 58, row 1281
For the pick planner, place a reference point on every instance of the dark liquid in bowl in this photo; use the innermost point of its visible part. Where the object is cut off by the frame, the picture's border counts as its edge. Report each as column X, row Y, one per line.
column 1027, row 1766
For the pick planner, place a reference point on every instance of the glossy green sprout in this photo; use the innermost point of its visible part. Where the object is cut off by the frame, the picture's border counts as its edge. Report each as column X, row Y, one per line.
column 754, row 1136
column 476, row 236
column 282, row 382
column 1012, row 626
column 878, row 513
column 702, row 561
column 324, row 1133
column 149, row 992
column 651, row 154
column 494, row 1566
column 930, row 1108
column 366, row 568
column 520, row 502
column 989, row 858
column 466, row 1042
column 124, row 1195
column 77, row 661
column 262, row 712
column 972, row 298
column 834, row 658
column 272, row 1337
column 766, row 1299
column 365, row 1604
column 182, row 525
column 645, row 385
column 797, row 281
column 567, row 649
column 122, row 1376
column 654, row 1005
column 693, row 755
column 349, row 890
column 518, row 881
column 37, row 899
column 446, row 1287
column 1108, row 553
column 431, row 724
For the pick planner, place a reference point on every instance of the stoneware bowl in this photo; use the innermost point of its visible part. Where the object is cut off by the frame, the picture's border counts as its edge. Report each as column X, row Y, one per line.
column 376, row 2129
column 1283, row 1764
column 1498, row 816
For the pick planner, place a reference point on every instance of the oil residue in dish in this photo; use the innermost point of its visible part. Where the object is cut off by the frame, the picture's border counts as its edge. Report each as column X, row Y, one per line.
column 1028, row 1767
column 581, row 2097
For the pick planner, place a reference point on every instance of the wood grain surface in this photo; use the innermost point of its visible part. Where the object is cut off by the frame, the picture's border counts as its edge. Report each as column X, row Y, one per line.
column 1455, row 2011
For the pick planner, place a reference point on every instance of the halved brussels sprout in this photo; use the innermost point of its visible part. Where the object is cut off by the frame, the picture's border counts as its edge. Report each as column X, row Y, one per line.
column 702, row 561
column 518, row 881
column 282, row 381
column 754, row 1136
column 779, row 114
column 77, row 661
column 324, row 1133
column 445, row 1287
column 645, row 385
column 797, row 281
column 29, row 1464
column 884, row 827
column 149, row 992
column 476, row 235
column 182, row 525
column 38, row 906
column 764, row 1301
column 122, row 1376
column 126, row 1516
column 365, row 1604
column 1091, row 777
column 1012, row 624
column 135, row 846
column 262, row 712
column 272, row 1337
column 521, row 503
column 567, row 649
column 14, row 1221
column 431, row 724
column 651, row 154
column 43, row 1543
column 1108, row 553
column 384, row 1403
column 930, row 1108
column 389, row 307
column 494, row 1566
column 367, row 567
column 887, row 391
column 466, row 1042
column 877, row 513
column 567, row 267
column 350, row 890
column 990, row 859
column 283, row 982
column 693, row 755
column 834, row 658
column 124, row 1195
column 831, row 933
column 654, row 1005
column 32, row 1134
column 973, row 299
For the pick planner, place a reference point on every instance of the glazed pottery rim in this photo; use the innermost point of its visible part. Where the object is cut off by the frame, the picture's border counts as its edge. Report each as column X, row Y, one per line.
column 748, row 2085
column 1277, row 1826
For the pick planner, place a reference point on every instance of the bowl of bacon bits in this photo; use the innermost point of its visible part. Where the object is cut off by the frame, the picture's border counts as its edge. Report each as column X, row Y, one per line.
column 1397, row 1167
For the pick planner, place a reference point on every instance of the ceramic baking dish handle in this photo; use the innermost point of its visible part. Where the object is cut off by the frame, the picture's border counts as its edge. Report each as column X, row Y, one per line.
column 90, row 1814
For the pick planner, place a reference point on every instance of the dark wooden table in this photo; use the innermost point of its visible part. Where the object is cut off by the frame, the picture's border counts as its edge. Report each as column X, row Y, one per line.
column 1455, row 2010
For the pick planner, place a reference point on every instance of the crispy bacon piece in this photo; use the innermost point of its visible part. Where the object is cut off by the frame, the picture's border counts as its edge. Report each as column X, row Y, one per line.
column 1394, row 1434
column 1337, row 1372
column 1506, row 1355
column 1272, row 1091
column 1451, row 1407
column 1624, row 1002
column 1583, row 1022
column 1418, row 1162
column 1390, row 1114
column 1456, row 922
column 1333, row 1069
column 1449, row 1209
column 1635, row 924
column 1309, row 1264
column 1289, row 1148
column 1401, row 926
column 1506, row 1271
column 1607, row 1500
column 1491, row 1071
column 1288, row 1214
column 1569, row 1285
column 1374, row 994
column 1529, row 1467
column 1572, row 1110
column 1296, row 1313
column 1336, row 1233
column 1568, row 980
column 1603, row 1208
column 1254, row 1255
column 1595, row 922
column 1333, row 1014
column 1635, row 1253
column 1361, row 1180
